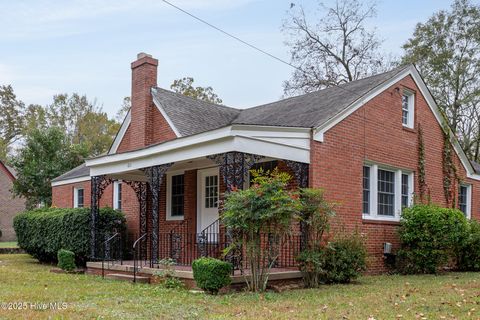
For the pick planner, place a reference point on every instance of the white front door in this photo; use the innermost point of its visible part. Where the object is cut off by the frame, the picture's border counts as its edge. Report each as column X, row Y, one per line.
column 207, row 191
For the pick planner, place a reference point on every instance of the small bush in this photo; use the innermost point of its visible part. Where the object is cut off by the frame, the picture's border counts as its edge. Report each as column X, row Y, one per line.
column 42, row 232
column 311, row 265
column 469, row 254
column 340, row 261
column 430, row 236
column 167, row 275
column 66, row 260
column 211, row 274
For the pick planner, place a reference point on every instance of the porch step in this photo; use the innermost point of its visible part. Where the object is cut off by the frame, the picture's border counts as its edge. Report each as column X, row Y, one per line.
column 127, row 277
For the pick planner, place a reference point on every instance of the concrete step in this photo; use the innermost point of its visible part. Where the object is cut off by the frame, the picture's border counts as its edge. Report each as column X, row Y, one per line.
column 127, row 277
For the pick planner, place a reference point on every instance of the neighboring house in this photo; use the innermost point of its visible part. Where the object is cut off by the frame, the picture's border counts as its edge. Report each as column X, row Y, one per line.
column 174, row 156
column 9, row 206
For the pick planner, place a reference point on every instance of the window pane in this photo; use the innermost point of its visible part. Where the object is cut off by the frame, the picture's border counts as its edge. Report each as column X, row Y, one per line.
column 386, row 193
column 405, row 189
column 80, row 198
column 366, row 190
column 119, row 196
column 177, row 196
column 462, row 199
column 405, row 109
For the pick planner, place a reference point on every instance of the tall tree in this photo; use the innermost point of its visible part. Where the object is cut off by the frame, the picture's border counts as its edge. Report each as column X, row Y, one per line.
column 11, row 119
column 336, row 48
column 47, row 153
column 82, row 121
column 124, row 108
column 185, row 86
column 446, row 50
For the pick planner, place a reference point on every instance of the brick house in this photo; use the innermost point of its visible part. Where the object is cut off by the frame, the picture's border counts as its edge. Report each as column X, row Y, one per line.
column 9, row 206
column 174, row 156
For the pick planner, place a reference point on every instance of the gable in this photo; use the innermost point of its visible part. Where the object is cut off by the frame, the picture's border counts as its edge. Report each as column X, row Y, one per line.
column 411, row 72
column 7, row 172
column 158, row 130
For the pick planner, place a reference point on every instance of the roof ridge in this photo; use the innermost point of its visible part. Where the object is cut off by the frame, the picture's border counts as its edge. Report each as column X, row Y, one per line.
column 399, row 68
column 180, row 95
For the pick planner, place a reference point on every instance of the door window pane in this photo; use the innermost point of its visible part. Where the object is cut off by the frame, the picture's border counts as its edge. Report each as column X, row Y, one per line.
column 211, row 191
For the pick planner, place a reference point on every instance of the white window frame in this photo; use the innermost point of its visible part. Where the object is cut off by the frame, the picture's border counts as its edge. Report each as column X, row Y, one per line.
column 75, row 197
column 116, row 195
column 373, row 199
column 411, row 108
column 169, row 216
column 468, row 214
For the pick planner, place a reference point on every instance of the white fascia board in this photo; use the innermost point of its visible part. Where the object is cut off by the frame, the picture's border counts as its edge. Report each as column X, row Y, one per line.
column 273, row 131
column 208, row 143
column 70, row 181
column 160, row 148
column 159, row 106
column 121, row 133
column 412, row 71
column 225, row 144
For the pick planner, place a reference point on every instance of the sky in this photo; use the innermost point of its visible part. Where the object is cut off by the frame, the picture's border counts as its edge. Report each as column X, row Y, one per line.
column 86, row 46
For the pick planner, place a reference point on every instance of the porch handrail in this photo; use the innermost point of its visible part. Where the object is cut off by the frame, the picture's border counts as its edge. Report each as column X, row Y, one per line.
column 104, row 245
column 210, row 226
column 135, row 257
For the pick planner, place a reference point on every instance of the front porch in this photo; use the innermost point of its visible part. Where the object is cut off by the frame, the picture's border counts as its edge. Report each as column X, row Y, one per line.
column 178, row 203
column 149, row 273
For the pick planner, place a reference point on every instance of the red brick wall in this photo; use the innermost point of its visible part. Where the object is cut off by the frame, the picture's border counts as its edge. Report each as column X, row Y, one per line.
column 9, row 206
column 147, row 125
column 375, row 133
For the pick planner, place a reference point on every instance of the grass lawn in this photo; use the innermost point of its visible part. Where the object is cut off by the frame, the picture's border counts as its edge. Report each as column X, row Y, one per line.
column 450, row 296
column 11, row 244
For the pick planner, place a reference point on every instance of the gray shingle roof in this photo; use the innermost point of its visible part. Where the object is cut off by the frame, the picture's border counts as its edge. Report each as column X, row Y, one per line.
column 191, row 116
column 78, row 172
column 313, row 109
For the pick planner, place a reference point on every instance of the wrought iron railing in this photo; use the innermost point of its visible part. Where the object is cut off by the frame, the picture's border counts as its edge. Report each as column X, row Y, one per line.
column 112, row 251
column 184, row 248
column 139, row 256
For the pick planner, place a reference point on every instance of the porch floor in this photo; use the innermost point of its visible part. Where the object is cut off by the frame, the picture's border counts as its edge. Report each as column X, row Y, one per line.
column 185, row 272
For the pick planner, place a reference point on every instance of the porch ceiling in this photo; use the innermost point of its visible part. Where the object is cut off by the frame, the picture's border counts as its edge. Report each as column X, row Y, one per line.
column 278, row 143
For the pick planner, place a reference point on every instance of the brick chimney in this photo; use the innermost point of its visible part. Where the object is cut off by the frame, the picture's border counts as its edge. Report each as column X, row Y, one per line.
column 144, row 77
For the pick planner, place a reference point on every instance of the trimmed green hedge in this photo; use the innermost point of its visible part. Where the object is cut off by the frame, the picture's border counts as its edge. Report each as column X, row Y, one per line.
column 43, row 232
column 211, row 274
column 469, row 254
column 430, row 238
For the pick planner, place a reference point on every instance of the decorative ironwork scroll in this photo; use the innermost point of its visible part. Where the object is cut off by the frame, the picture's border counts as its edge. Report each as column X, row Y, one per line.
column 140, row 189
column 98, row 186
column 176, row 240
column 234, row 167
column 155, row 176
column 300, row 171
